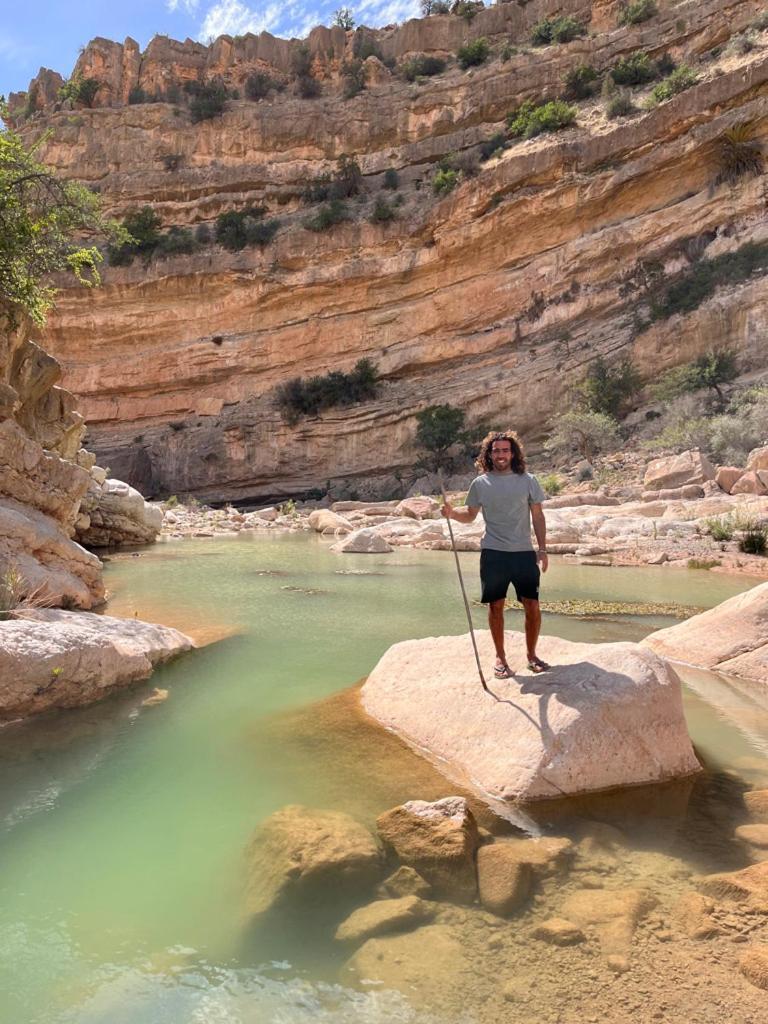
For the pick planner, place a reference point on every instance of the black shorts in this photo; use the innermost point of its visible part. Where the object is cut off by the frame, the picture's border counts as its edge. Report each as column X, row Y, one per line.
column 500, row 568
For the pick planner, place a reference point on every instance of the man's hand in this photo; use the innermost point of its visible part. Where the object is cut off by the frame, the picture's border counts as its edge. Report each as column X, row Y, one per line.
column 543, row 558
column 447, row 510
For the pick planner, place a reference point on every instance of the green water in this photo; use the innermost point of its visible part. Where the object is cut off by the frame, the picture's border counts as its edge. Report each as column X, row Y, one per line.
column 122, row 829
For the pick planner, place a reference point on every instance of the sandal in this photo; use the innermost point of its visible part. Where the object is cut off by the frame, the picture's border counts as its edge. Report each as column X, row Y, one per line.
column 537, row 666
column 502, row 672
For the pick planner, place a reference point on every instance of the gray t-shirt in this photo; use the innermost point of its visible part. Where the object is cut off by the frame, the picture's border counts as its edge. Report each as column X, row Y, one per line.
column 506, row 500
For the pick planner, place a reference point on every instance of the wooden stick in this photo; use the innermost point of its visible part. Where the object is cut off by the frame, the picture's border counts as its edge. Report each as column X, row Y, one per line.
column 461, row 584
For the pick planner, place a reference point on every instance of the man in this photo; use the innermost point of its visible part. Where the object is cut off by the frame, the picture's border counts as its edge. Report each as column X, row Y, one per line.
column 510, row 499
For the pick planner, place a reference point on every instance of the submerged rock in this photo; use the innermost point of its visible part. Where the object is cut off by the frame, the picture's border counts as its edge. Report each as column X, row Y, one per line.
column 383, row 916
column 559, row 932
column 613, row 913
column 504, row 881
column 406, row 881
column 439, row 840
column 604, row 715
column 365, row 541
column 732, row 637
column 300, row 854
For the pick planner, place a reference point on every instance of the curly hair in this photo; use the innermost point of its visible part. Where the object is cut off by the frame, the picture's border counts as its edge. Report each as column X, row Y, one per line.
column 484, row 463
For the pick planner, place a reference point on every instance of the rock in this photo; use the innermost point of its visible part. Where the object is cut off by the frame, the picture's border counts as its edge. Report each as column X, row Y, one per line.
column 503, row 880
column 543, row 857
column 439, row 840
column 749, row 884
column 58, row 659
column 429, row 484
column 750, row 482
column 118, row 516
column 754, row 965
column 732, row 637
column 406, row 881
column 266, row 515
column 383, row 916
column 693, row 916
column 366, row 541
column 758, row 459
column 691, row 467
column 613, row 913
column 754, row 835
column 580, row 498
column 158, row 697
column 322, row 519
column 726, row 477
column 303, row 855
column 559, row 932
column 617, row 964
column 757, row 804
column 605, row 715
column 417, row 508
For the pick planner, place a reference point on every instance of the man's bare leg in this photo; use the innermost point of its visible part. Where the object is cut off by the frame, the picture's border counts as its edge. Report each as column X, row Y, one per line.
column 496, row 623
column 532, row 629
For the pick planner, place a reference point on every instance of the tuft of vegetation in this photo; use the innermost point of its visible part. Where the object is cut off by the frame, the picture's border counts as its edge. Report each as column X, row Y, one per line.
column 12, row 587
column 310, row 396
column 551, row 484
column 607, row 389
column 365, row 46
column 383, row 212
column 203, row 234
column 467, row 9
column 743, row 43
column 754, row 540
column 259, row 85
column 301, row 66
column 580, row 82
column 561, row 29
column 698, row 283
column 585, row 432
column 346, row 181
column 430, row 7
column 530, row 120
column 444, row 181
column 142, row 228
column 703, row 563
column 391, row 179
column 80, row 90
column 327, row 216
column 637, row 68
column 720, row 528
column 474, row 53
column 682, row 78
column 353, row 75
column 739, row 154
column 620, row 105
column 637, row 11
column 492, row 146
column 422, row 66
column 176, row 241
column 760, row 24
column 438, row 429
column 137, row 95
column 208, row 100
column 236, row 229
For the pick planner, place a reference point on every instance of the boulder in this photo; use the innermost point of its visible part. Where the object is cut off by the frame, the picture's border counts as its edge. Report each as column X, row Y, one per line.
column 757, row 804
column 118, row 516
column 727, row 476
column 406, row 881
column 503, row 881
column 691, row 467
column 417, row 508
column 749, row 884
column 559, row 932
column 265, row 515
column 383, row 916
column 750, row 482
column 300, row 854
column 753, row 835
column 322, row 519
column 580, row 498
column 732, row 637
column 58, row 659
column 758, row 459
column 754, row 965
column 366, row 542
column 439, row 840
column 688, row 492
column 605, row 715
column 613, row 913
column 692, row 915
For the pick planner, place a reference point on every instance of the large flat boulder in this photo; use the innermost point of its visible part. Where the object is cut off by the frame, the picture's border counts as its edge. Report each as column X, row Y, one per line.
column 604, row 715
column 383, row 916
column 301, row 854
column 732, row 637
column 362, row 542
column 691, row 467
column 56, row 659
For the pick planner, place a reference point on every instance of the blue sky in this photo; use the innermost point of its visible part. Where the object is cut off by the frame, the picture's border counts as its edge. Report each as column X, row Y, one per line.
column 49, row 33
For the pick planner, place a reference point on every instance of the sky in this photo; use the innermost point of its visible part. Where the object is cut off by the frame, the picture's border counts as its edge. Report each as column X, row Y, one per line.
column 50, row 33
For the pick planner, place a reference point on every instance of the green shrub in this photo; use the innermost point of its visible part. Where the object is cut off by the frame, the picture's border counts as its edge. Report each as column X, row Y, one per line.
column 301, row 62
column 309, row 87
column 391, row 179
column 422, row 66
column 80, row 90
column 739, row 154
column 176, row 241
column 474, row 53
column 232, row 227
column 743, row 43
column 494, row 145
column 530, row 120
column 754, row 540
column 703, row 563
column 620, row 105
column 580, row 82
column 682, row 78
column 143, row 225
column 637, row 11
column 675, row 382
column 760, row 24
column 585, row 432
column 430, row 7
column 561, row 29
column 331, row 213
column 444, row 181
column 382, row 211
column 607, row 389
column 467, row 9
column 342, row 18
column 438, row 428
column 551, row 484
column 203, row 234
column 259, row 85
column 636, row 69
column 365, row 46
column 137, row 95
column 353, row 74
column 697, row 284
column 208, row 100
column 720, row 528
column 309, row 396
column 345, row 181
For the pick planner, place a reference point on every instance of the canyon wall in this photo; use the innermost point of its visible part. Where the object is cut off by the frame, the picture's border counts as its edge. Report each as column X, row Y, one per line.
column 495, row 297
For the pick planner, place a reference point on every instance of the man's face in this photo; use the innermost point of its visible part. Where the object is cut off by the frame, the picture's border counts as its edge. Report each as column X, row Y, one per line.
column 501, row 455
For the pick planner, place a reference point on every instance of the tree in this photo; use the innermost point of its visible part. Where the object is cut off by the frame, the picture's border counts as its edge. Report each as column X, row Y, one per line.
column 715, row 368
column 430, row 7
column 40, row 218
column 606, row 388
column 439, row 427
column 342, row 18
column 584, row 431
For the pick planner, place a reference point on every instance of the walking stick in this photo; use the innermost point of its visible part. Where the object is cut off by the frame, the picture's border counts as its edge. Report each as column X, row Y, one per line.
column 461, row 584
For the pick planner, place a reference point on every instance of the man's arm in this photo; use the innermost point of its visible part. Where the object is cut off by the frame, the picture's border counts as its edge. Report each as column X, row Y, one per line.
column 468, row 514
column 540, row 529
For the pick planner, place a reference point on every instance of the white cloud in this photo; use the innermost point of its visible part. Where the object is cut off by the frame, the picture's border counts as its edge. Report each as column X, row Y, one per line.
column 190, row 6
column 386, row 12
column 231, row 17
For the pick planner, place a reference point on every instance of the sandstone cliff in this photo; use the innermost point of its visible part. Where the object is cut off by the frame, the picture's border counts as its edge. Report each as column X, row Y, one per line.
column 495, row 297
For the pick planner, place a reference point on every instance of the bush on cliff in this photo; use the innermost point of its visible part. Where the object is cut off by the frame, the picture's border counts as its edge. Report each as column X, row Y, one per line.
column 739, row 154
column 80, row 90
column 301, row 66
column 444, row 181
column 580, row 82
column 697, row 284
column 327, row 216
column 620, row 105
column 637, row 11
column 391, row 179
column 638, row 68
column 607, row 389
column 530, row 120
column 346, row 181
column 682, row 78
column 236, row 229
column 208, row 99
column 438, row 429
column 560, row 29
column 430, row 7
column 382, row 212
column 309, row 396
column 143, row 227
column 176, row 241
column 474, row 53
column 259, row 85
column 422, row 66
column 353, row 74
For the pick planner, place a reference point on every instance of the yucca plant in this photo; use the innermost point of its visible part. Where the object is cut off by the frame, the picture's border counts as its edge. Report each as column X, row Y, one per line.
column 739, row 154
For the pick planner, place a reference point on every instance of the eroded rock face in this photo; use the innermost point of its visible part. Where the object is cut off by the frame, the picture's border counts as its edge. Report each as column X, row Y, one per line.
column 118, row 516
column 300, row 854
column 604, row 715
column 57, row 659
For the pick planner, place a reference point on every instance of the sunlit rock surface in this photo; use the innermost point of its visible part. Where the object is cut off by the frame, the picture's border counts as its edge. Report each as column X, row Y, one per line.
column 603, row 716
